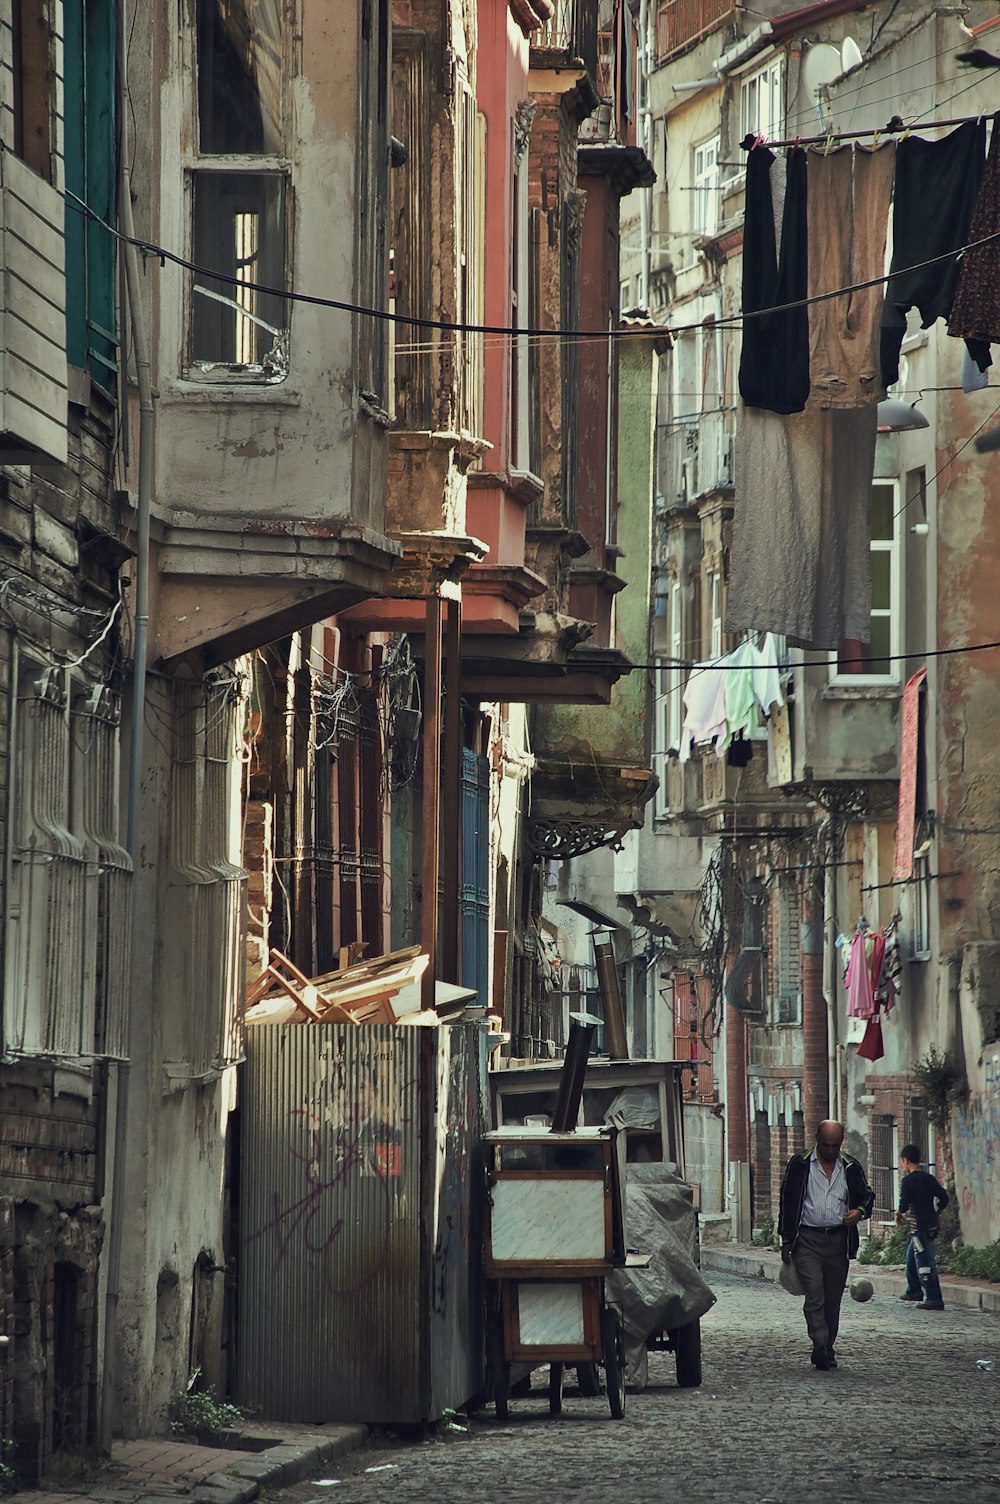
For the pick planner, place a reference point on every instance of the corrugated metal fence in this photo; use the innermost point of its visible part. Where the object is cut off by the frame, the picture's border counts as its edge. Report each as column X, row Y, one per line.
column 361, row 1221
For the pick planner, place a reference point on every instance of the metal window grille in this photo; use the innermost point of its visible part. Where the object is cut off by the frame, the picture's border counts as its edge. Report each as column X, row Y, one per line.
column 883, row 1166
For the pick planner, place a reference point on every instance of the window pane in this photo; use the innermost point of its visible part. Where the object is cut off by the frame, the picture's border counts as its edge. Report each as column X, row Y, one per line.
column 239, row 75
column 239, row 230
column 882, row 510
column 881, row 580
column 880, row 647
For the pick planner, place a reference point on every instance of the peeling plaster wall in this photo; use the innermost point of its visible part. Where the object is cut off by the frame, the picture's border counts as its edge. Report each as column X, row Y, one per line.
column 175, row 1167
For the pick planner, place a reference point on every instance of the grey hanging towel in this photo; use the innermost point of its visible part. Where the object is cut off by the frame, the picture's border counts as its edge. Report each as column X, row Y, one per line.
column 937, row 184
column 801, row 564
column 774, row 365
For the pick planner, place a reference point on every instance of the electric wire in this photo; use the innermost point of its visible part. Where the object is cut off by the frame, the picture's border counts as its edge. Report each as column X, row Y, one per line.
column 456, row 326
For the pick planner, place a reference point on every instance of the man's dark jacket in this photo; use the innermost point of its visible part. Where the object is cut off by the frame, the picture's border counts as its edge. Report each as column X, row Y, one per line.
column 793, row 1194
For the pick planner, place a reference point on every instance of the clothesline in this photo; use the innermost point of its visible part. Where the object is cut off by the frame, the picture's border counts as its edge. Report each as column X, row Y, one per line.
column 895, row 127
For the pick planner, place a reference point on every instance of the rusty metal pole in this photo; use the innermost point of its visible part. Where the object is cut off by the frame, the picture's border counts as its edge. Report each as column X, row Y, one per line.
column 451, row 840
column 611, row 997
column 431, row 843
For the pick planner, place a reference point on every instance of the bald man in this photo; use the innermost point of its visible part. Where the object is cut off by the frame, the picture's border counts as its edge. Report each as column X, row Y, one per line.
column 824, row 1195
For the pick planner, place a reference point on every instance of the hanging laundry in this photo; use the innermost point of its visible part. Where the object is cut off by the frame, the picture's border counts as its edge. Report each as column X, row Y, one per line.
column 774, row 365
column 973, row 379
column 848, row 216
column 705, row 709
column 741, row 701
column 937, row 184
column 975, row 311
column 872, row 1046
column 860, row 993
column 766, row 679
column 801, row 563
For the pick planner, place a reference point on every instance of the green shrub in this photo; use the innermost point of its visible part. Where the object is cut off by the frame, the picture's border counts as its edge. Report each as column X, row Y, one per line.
column 884, row 1248
column 8, row 1477
column 976, row 1263
column 199, row 1412
column 766, row 1235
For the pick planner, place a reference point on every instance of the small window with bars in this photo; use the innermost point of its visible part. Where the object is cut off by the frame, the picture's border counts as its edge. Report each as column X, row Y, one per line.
column 788, row 958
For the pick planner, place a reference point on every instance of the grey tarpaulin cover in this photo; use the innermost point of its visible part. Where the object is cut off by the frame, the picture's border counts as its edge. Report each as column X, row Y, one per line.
column 660, row 1221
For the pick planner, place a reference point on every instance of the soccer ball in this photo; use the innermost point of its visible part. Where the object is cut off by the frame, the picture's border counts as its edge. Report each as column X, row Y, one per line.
column 862, row 1289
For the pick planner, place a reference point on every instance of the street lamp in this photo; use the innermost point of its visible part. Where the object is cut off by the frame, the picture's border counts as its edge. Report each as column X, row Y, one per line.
column 896, row 416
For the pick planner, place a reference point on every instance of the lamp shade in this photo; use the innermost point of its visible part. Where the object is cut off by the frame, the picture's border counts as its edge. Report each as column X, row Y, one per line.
column 895, row 416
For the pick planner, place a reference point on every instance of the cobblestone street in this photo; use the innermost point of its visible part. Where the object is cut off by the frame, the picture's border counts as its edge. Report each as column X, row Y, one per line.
column 906, row 1415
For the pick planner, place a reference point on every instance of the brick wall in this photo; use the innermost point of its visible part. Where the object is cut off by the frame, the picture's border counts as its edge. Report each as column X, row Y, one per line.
column 59, row 538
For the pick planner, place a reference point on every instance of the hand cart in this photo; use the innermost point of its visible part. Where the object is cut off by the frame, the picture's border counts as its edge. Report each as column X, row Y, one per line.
column 555, row 1230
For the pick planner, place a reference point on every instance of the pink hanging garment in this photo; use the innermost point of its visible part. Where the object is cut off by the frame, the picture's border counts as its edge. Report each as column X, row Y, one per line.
column 860, row 994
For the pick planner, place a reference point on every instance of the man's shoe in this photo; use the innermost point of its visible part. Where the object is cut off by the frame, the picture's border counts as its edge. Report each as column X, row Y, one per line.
column 931, row 1305
column 818, row 1358
column 908, row 1296
column 831, row 1358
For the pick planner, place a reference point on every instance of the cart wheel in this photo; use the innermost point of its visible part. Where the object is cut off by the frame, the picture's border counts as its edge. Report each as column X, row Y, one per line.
column 687, row 1351
column 557, row 1372
column 613, row 1341
column 589, row 1380
column 499, row 1369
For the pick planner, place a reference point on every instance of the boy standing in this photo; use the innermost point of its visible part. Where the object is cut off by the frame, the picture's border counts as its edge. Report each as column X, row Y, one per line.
column 921, row 1197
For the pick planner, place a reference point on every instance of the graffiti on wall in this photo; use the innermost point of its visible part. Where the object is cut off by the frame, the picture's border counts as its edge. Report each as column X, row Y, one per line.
column 976, row 1146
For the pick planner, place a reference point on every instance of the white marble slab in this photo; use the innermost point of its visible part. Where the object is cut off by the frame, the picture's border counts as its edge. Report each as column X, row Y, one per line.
column 550, row 1314
column 548, row 1219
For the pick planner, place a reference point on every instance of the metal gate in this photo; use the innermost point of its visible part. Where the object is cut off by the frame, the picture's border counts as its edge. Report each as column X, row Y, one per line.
column 360, row 1222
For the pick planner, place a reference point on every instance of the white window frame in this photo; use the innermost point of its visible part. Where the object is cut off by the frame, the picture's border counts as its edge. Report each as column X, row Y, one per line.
column 920, row 908
column 197, row 166
column 894, row 613
column 705, row 183
column 764, row 86
column 716, row 634
column 675, row 672
column 661, row 742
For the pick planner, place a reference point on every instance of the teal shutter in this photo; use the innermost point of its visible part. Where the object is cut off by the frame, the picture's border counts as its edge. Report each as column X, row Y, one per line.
column 91, row 165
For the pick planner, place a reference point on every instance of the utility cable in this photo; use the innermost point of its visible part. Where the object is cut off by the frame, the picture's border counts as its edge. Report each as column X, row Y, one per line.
column 456, row 326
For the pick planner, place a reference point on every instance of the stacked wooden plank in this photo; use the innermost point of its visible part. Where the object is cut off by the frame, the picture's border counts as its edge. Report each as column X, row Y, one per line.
column 358, row 992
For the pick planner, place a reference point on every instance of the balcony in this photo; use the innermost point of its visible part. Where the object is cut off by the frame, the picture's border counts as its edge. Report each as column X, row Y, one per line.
column 682, row 23
column 835, row 733
column 694, row 458
column 572, row 31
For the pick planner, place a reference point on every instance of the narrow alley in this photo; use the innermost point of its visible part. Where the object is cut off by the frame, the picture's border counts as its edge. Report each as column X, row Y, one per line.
column 907, row 1414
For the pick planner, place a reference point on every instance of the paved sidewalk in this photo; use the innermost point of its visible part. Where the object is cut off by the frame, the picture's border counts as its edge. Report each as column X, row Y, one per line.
column 763, row 1263
column 162, row 1471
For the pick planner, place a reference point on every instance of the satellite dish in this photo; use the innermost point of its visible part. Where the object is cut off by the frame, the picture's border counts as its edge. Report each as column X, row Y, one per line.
column 821, row 65
column 850, row 54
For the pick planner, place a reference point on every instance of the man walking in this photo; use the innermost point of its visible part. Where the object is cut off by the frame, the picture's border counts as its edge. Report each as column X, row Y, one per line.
column 824, row 1195
column 921, row 1197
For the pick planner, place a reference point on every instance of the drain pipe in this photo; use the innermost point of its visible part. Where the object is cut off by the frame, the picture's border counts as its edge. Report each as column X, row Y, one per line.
column 830, row 970
column 132, row 840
